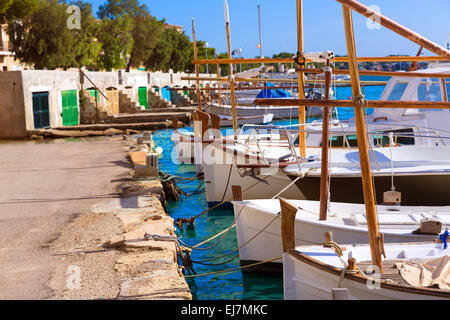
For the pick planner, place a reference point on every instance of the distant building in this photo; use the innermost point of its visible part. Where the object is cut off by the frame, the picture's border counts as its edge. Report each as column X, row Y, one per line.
column 6, row 56
column 168, row 26
column 8, row 60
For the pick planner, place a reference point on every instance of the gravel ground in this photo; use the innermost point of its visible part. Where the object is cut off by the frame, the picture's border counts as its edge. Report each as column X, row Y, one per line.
column 44, row 186
column 80, row 251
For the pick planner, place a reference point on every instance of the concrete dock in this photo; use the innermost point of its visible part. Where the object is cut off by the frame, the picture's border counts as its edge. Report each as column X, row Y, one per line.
column 74, row 225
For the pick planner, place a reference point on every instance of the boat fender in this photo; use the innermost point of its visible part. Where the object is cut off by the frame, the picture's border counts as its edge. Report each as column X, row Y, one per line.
column 392, row 197
column 429, row 226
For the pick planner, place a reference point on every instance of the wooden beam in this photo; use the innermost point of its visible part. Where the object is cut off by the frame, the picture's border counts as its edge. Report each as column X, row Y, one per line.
column 301, row 84
column 444, row 88
column 199, row 94
column 337, row 59
column 366, row 175
column 218, row 76
column 237, row 193
column 288, row 212
column 352, row 104
column 324, row 156
column 396, row 27
column 232, row 84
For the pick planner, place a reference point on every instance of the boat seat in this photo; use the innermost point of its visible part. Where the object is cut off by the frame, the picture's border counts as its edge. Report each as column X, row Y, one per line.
column 399, row 218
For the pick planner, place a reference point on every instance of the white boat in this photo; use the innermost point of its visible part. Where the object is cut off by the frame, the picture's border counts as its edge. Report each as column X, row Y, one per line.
column 227, row 121
column 314, row 272
column 185, row 140
column 346, row 221
column 332, row 270
column 250, row 111
column 410, row 127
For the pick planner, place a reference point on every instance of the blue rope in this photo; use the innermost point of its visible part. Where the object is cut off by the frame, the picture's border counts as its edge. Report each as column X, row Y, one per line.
column 443, row 238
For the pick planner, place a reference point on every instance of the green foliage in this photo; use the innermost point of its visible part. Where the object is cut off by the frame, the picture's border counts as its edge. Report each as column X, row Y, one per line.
column 125, row 36
column 53, row 45
column 88, row 48
column 146, row 29
column 171, row 52
column 46, row 45
column 117, row 42
column 11, row 10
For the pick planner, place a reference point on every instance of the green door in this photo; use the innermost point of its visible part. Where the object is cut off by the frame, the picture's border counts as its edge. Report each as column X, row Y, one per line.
column 143, row 100
column 41, row 114
column 94, row 93
column 69, row 108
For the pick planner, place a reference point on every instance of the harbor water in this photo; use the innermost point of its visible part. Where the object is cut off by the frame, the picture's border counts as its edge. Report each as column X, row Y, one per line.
column 220, row 254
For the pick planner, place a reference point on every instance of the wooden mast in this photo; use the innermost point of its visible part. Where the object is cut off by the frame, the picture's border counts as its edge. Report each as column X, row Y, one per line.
column 232, row 84
column 396, row 27
column 301, row 88
column 199, row 94
column 369, row 198
column 324, row 156
column 413, row 66
column 218, row 83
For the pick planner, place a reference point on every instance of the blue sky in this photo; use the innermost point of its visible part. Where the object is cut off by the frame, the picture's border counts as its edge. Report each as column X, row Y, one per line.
column 322, row 23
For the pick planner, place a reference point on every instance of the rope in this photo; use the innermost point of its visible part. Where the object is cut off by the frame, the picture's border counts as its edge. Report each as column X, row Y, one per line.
column 228, row 199
column 232, row 269
column 234, row 224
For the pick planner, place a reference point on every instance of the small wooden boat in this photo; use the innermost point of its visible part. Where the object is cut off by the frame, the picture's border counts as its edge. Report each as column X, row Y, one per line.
column 346, row 221
column 334, row 271
column 227, row 121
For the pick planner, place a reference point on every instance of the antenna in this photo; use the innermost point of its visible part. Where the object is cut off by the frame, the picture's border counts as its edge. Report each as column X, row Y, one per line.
column 260, row 36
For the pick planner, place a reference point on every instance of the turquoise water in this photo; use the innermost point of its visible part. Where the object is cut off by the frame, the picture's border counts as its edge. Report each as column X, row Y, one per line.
column 229, row 286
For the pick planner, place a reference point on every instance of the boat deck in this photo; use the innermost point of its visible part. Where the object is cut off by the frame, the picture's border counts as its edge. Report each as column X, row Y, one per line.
column 390, row 271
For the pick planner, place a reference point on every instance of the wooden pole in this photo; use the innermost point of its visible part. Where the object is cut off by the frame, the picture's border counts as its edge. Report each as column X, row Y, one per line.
column 301, row 88
column 444, row 88
column 288, row 212
column 232, row 84
column 413, row 66
column 199, row 94
column 351, row 104
column 336, row 59
column 396, row 27
column 218, row 84
column 369, row 198
column 237, row 193
column 324, row 156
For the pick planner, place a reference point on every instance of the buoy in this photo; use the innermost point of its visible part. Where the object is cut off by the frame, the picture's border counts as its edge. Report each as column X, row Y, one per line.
column 159, row 150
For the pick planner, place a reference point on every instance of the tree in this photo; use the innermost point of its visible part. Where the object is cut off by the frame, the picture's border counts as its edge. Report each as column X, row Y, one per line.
column 146, row 29
column 53, row 45
column 117, row 42
column 40, row 43
column 89, row 47
column 171, row 52
column 11, row 10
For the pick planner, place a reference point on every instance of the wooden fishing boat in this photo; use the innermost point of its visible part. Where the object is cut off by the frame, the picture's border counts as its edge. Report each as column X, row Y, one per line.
column 346, row 221
column 334, row 271
column 313, row 273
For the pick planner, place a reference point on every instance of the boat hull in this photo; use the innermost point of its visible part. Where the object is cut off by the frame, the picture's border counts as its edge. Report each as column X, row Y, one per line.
column 259, row 220
column 416, row 190
column 278, row 112
column 305, row 281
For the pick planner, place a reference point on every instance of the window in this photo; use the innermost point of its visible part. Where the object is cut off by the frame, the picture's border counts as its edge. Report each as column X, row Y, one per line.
column 405, row 137
column 429, row 90
column 397, row 92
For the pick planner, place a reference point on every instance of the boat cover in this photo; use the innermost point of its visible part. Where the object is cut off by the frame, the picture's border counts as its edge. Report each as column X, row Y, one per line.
column 431, row 273
column 272, row 93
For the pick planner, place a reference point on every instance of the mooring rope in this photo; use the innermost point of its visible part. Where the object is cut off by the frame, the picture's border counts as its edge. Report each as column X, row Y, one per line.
column 233, row 269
